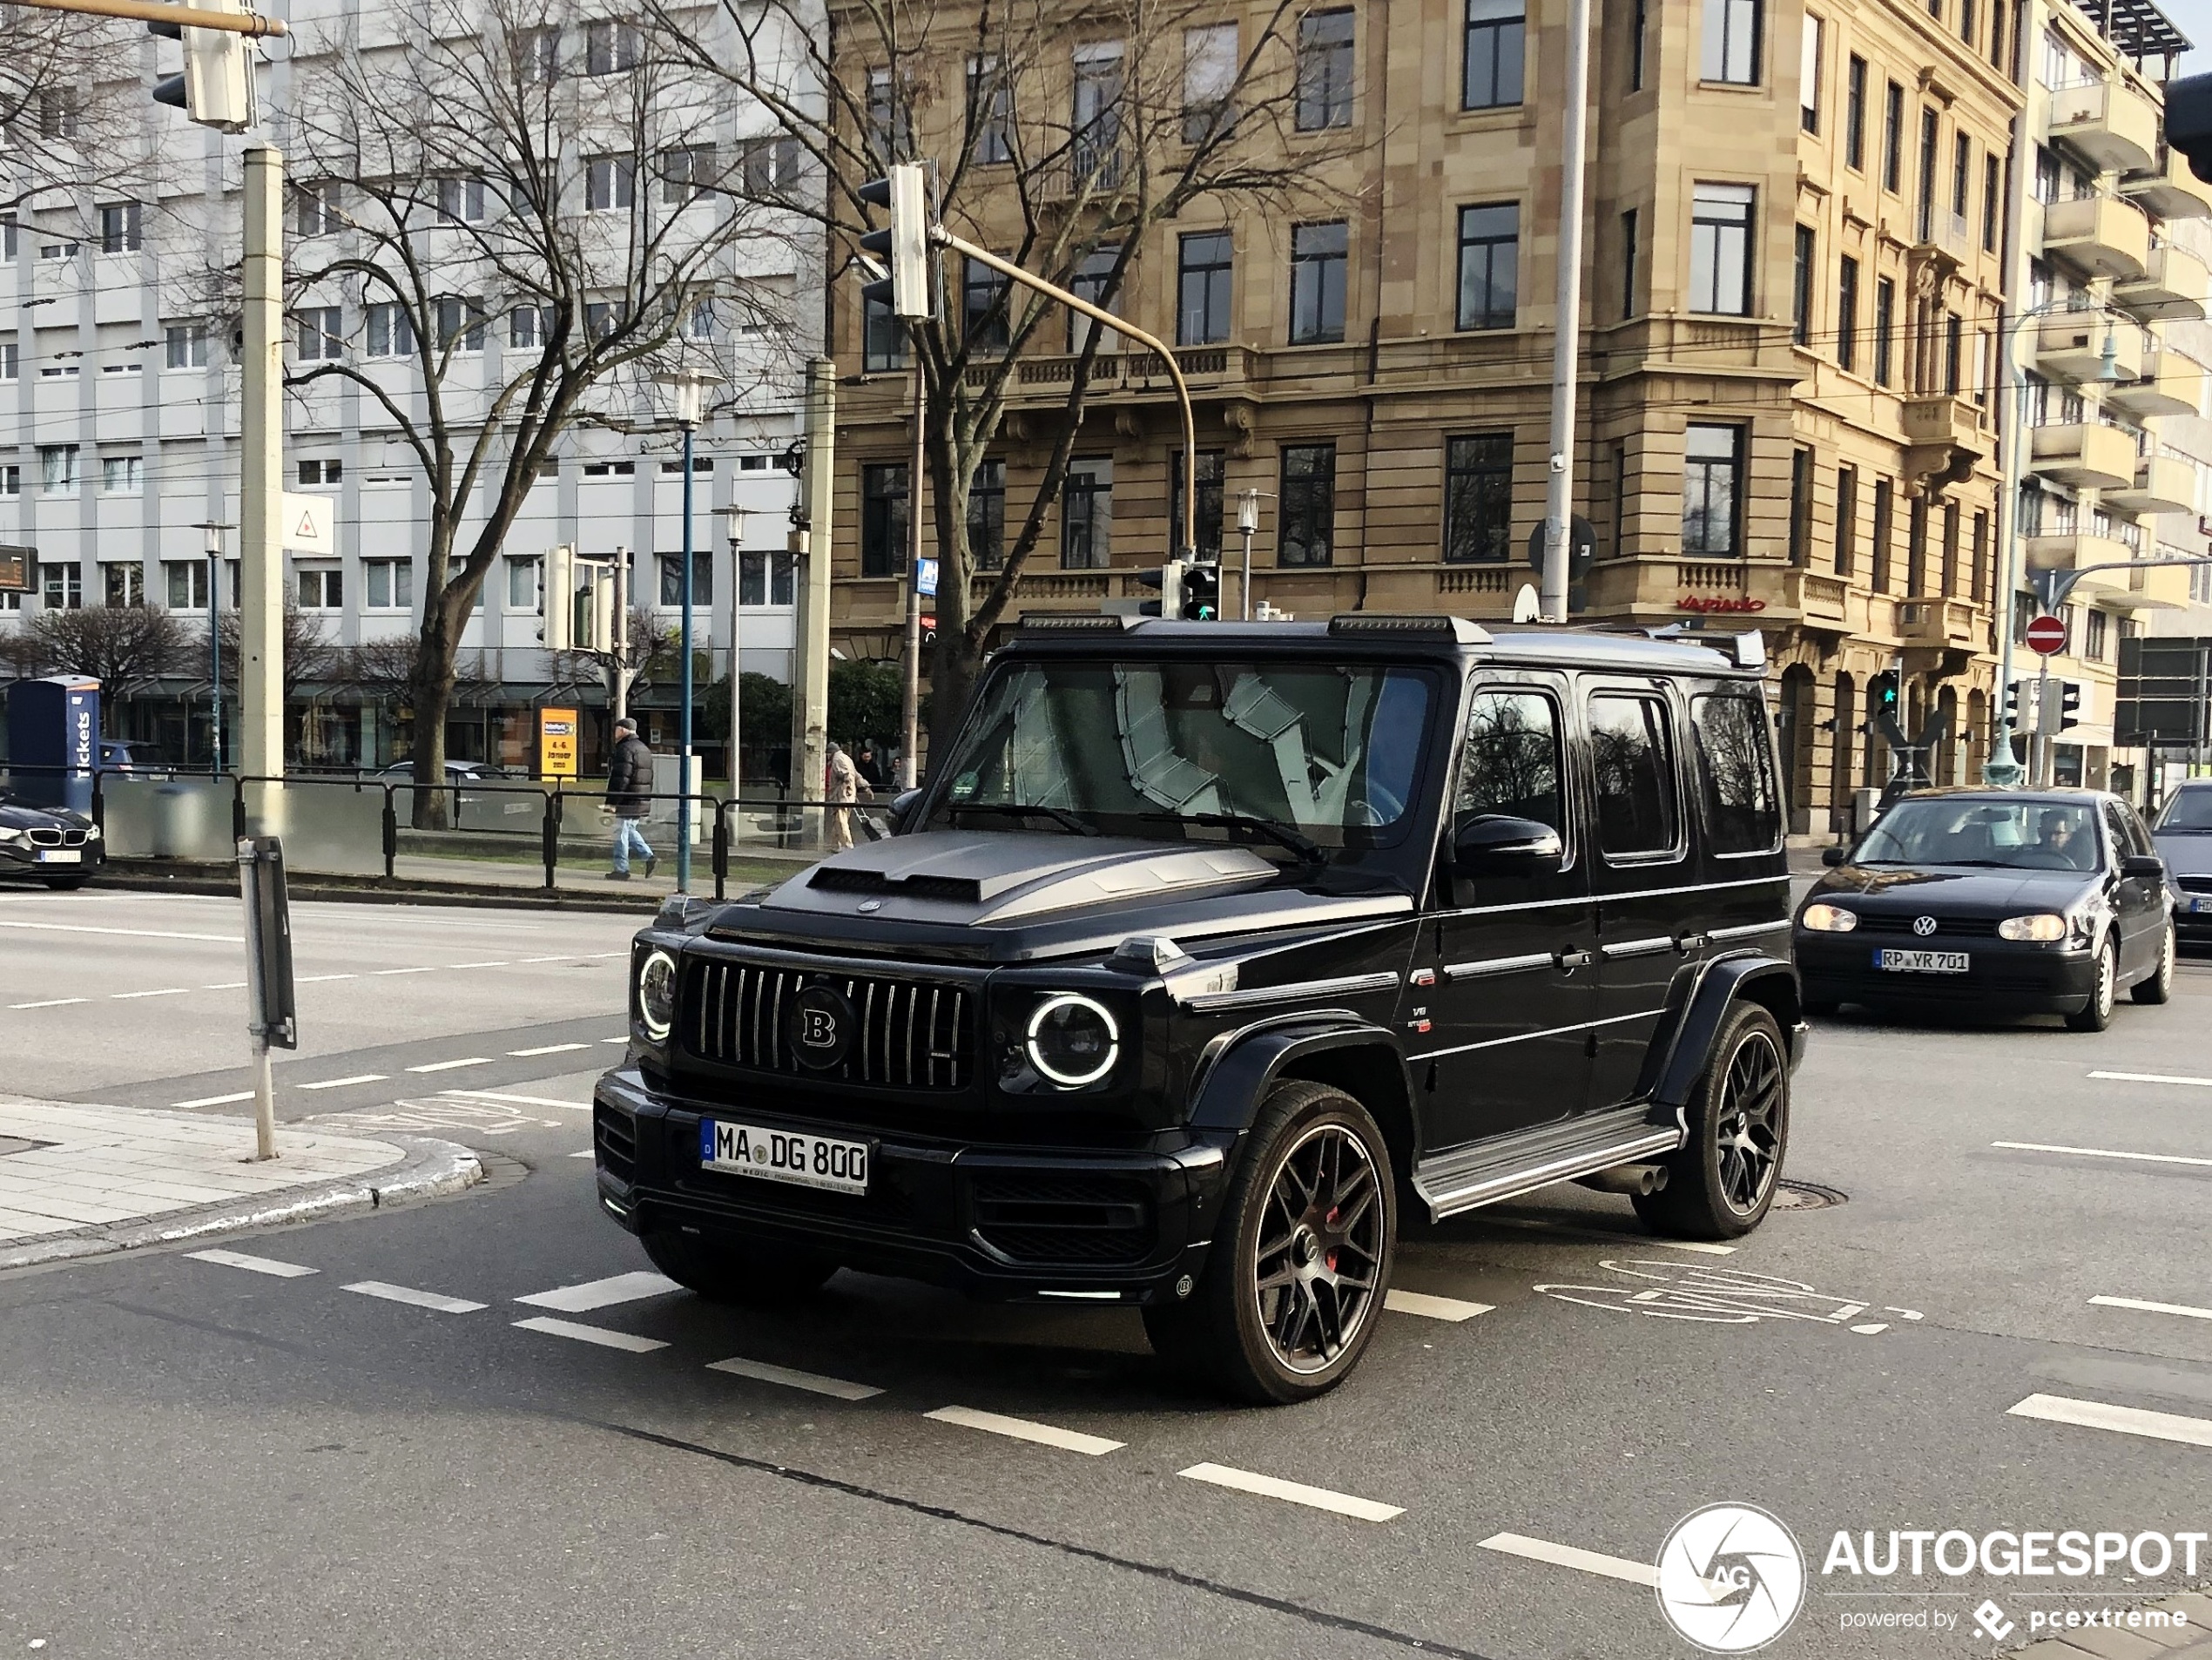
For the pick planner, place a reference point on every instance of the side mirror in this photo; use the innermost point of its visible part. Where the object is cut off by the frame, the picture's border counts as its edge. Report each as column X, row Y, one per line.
column 1833, row 856
column 2146, row 867
column 902, row 805
column 1493, row 844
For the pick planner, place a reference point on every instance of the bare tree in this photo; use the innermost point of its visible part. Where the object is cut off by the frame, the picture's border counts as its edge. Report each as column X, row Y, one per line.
column 1071, row 162
column 75, row 117
column 126, row 648
column 308, row 655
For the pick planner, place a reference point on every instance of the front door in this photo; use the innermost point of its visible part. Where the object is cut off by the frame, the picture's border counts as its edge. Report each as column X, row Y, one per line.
column 1512, row 958
column 2138, row 902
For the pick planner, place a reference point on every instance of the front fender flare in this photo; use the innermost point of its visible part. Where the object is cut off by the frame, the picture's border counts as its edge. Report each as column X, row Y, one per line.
column 1233, row 1082
column 1697, row 1005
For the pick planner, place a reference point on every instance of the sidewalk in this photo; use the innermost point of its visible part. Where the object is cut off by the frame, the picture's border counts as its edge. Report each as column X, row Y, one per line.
column 79, row 1181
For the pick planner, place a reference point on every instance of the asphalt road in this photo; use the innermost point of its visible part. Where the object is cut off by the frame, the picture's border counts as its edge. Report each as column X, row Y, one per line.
column 201, row 1459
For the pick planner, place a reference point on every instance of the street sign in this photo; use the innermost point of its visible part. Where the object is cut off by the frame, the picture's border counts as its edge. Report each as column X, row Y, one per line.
column 557, row 738
column 17, row 564
column 308, row 524
column 927, row 583
column 2047, row 635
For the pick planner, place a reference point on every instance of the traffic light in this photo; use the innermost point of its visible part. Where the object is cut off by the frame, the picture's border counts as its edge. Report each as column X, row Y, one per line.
column 1169, row 580
column 216, row 88
column 2189, row 122
column 904, row 244
column 1201, row 593
column 1881, row 692
column 2069, row 705
column 2020, row 705
column 556, row 598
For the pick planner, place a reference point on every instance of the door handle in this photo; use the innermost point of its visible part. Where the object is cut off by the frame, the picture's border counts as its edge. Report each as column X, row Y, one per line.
column 1687, row 943
column 1569, row 958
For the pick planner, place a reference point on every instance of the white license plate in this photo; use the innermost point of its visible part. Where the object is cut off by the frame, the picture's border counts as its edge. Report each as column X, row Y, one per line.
column 2200, row 904
column 61, row 855
column 1921, row 961
column 784, row 1155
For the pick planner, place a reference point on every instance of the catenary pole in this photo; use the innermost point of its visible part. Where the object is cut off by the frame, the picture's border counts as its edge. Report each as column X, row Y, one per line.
column 1566, row 336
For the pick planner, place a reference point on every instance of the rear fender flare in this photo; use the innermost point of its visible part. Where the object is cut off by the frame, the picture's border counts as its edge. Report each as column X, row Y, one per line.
column 1698, row 1002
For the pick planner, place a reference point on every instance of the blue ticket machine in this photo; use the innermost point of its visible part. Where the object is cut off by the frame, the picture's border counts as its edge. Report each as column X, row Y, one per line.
column 54, row 740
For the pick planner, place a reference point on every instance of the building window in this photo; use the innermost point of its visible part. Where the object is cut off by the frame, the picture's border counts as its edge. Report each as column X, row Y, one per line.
column 756, row 574
column 1207, row 509
column 58, row 470
column 187, row 344
column 1208, row 82
column 122, row 227
column 687, row 171
column 1847, row 314
column 1893, row 137
column 1087, row 515
column 1884, row 513
column 1978, row 578
column 187, row 581
column 1855, row 113
column 538, row 56
column 1953, row 348
column 1916, row 547
column 883, row 519
column 390, row 584
column 530, row 328
column 1885, row 328
column 610, row 183
column 1711, row 492
column 122, row 475
column 1089, row 282
column 11, row 481
column 461, row 197
column 1847, row 516
column 1627, row 263
column 610, row 48
column 522, row 582
column 322, row 588
column 1637, row 28
column 1950, row 548
column 1801, row 288
column 983, row 307
column 2050, row 183
column 1318, row 262
column 1926, row 216
column 460, row 325
column 886, row 121
column 320, row 334
column 1205, row 260
column 1324, row 70
column 1478, row 498
column 1489, row 265
column 1962, row 167
column 1491, row 79
column 1800, row 506
column 61, row 588
column 1306, row 535
column 10, row 360
column 391, row 330
column 1808, row 65
column 2097, row 636
column 672, row 578
column 11, row 239
column 1967, row 20
column 123, row 584
column 1095, row 128
column 987, row 516
column 1732, row 41
column 1992, row 201
column 1720, row 249
column 883, row 337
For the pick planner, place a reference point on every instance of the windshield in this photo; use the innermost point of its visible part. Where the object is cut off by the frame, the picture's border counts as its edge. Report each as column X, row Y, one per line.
column 1127, row 748
column 2189, row 810
column 2019, row 835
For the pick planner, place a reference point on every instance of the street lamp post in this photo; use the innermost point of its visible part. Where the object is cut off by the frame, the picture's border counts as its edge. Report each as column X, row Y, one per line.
column 733, row 517
column 214, row 529
column 690, row 394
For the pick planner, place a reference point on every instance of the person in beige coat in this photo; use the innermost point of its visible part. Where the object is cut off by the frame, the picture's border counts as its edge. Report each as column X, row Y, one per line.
column 841, row 788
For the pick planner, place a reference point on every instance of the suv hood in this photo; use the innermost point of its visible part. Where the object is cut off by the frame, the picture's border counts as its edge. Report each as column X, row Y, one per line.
column 2186, row 852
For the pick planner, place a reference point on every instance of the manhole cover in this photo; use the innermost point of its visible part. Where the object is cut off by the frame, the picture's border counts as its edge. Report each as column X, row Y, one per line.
column 1805, row 1196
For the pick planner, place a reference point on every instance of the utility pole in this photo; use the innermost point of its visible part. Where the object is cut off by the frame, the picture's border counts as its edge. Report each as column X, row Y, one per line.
column 618, row 637
column 261, row 543
column 910, row 694
column 810, row 679
column 1566, row 337
column 213, row 530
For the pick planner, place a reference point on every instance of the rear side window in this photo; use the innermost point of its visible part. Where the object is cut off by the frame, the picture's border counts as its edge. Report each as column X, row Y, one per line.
column 1511, row 765
column 1742, row 807
column 1633, row 760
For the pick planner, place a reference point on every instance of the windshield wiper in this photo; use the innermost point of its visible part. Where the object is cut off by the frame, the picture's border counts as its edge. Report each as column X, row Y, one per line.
column 1307, row 850
column 1060, row 816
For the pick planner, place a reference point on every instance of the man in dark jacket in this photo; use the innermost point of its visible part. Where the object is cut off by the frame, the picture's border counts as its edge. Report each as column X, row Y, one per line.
column 630, row 779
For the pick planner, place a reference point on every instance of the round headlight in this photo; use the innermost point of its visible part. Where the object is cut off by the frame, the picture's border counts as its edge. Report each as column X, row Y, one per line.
column 2045, row 926
column 657, row 995
column 1073, row 1040
column 1829, row 918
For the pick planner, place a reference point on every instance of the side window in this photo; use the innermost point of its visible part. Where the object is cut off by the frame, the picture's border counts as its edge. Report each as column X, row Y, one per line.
column 1632, row 760
column 1512, row 765
column 2116, row 831
column 2138, row 834
column 1734, row 761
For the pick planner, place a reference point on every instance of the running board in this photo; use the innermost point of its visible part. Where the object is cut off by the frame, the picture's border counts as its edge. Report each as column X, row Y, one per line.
column 1467, row 1177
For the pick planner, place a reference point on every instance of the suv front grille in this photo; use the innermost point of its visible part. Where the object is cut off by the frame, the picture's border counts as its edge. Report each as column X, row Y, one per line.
column 2195, row 884
column 1029, row 1218
column 914, row 1034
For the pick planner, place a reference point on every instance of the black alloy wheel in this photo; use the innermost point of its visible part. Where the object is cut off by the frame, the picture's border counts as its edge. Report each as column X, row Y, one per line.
column 1720, row 1183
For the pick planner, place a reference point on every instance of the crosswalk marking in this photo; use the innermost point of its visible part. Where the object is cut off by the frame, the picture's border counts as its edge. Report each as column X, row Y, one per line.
column 597, row 1334
column 2153, row 1308
column 1589, row 1562
column 738, row 1366
column 602, row 1294
column 339, row 1084
column 1435, row 1308
column 2129, row 1420
column 251, row 1264
column 1023, row 1429
column 407, row 1294
column 1271, row 1486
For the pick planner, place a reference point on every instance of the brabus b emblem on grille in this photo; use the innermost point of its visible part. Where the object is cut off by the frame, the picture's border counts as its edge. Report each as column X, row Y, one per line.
column 820, row 1027
column 1924, row 925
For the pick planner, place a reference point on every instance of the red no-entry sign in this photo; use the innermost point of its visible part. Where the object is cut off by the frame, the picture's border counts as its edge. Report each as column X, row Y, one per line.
column 2047, row 634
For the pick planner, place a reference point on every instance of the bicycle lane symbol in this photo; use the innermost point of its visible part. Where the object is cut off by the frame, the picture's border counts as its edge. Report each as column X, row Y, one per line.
column 1673, row 1290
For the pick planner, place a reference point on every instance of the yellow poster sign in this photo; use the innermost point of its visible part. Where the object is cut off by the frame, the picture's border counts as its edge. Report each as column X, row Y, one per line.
column 557, row 743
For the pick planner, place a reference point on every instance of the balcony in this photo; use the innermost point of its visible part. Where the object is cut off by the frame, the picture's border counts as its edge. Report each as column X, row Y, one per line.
column 2070, row 550
column 2162, row 484
column 2173, row 286
column 2170, row 385
column 2144, row 588
column 1945, row 438
column 2100, row 236
column 2070, row 345
column 2084, row 454
column 2169, row 189
column 1937, row 623
column 2109, row 122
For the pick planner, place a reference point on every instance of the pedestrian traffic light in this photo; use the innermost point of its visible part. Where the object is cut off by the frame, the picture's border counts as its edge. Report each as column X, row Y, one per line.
column 216, row 88
column 1881, row 694
column 1168, row 579
column 1201, row 593
column 2189, row 122
column 556, row 598
column 904, row 244
column 2069, row 704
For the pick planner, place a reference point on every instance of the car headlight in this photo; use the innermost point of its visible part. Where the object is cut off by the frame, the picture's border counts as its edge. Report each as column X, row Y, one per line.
column 657, row 995
column 1072, row 1040
column 2045, row 927
column 1829, row 918
column 92, row 833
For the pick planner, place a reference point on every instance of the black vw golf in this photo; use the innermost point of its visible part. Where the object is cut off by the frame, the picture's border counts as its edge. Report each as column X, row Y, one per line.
column 1996, row 901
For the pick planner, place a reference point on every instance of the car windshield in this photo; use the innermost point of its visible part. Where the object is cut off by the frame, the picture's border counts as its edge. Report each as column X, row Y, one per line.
column 1972, row 830
column 2189, row 810
column 1327, row 753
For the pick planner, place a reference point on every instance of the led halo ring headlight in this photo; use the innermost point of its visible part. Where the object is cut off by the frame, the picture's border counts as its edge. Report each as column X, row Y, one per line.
column 1073, row 1040
column 657, row 995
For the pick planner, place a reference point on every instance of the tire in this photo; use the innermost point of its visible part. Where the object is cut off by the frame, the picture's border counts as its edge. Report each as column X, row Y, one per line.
column 1281, row 1313
column 1720, row 1184
column 2159, row 985
column 64, row 884
column 737, row 1271
column 2098, row 1015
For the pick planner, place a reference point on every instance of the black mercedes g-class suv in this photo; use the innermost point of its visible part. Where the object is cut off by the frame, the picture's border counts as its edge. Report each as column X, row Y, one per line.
column 1208, row 946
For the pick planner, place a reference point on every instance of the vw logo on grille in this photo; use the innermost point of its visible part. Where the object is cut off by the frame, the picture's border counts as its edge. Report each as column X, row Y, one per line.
column 819, row 1027
column 1924, row 925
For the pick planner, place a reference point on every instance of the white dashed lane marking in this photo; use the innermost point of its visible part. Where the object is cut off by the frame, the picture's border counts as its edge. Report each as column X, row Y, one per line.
column 310, row 979
column 2183, row 1309
column 53, row 1002
column 2152, row 1077
column 602, row 1294
column 1022, row 1429
column 1588, row 1561
column 2101, row 1152
column 164, row 991
column 1435, row 1308
column 213, row 1101
column 502, row 963
column 134, row 934
column 427, row 968
column 251, row 1264
column 339, row 1084
column 452, row 1066
column 518, row 1100
column 546, row 1048
column 597, row 1334
column 2129, row 1420
column 814, row 1382
column 414, row 1298
column 1271, row 1486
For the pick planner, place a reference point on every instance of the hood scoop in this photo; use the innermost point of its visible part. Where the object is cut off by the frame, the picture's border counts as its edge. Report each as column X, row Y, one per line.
column 960, row 890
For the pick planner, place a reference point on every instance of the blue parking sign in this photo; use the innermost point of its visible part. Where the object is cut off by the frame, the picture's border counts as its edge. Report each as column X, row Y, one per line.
column 927, row 583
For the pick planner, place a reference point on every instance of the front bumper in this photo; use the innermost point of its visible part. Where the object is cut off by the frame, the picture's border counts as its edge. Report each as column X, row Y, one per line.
column 2193, row 926
column 36, row 861
column 1000, row 1222
column 2003, row 976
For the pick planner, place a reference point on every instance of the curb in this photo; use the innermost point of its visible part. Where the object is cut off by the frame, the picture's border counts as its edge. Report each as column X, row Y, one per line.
column 430, row 1170
column 372, row 891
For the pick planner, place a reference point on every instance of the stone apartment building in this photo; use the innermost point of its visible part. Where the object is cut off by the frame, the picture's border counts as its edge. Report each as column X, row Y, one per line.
column 1799, row 219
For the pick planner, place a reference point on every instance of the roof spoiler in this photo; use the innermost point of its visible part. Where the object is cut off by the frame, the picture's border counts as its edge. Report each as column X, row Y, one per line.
column 1463, row 630
column 1748, row 649
column 1077, row 623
